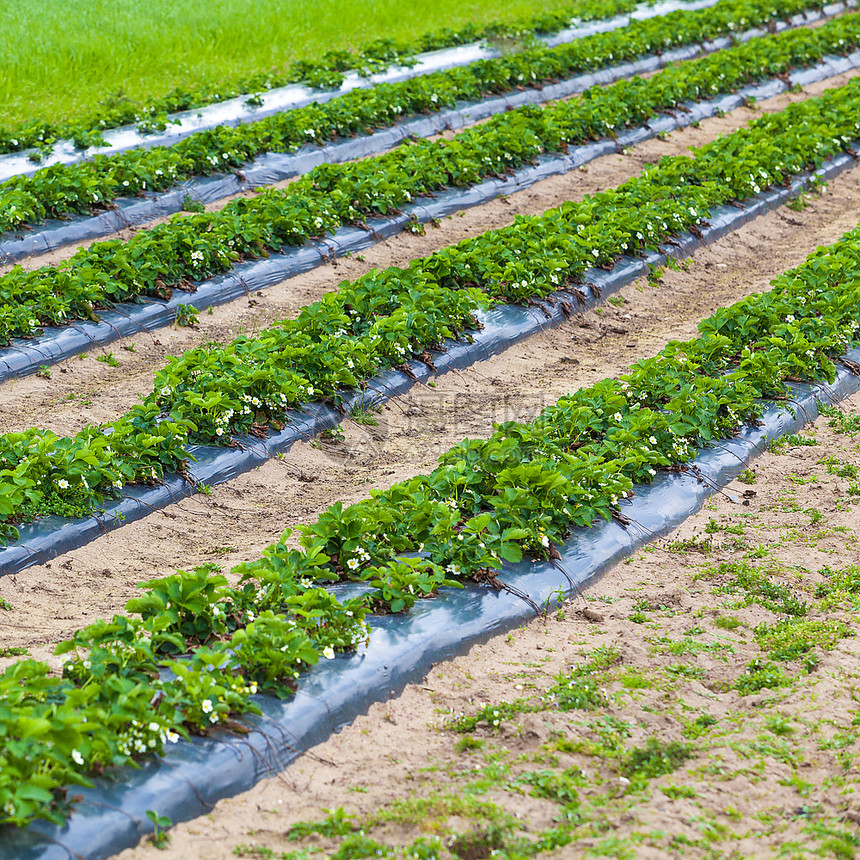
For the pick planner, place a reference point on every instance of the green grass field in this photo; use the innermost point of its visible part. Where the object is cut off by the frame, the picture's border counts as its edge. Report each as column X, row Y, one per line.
column 59, row 61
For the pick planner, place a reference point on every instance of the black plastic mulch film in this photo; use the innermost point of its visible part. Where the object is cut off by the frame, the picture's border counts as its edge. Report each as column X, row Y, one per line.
column 194, row 775
column 26, row 357
column 237, row 111
column 275, row 167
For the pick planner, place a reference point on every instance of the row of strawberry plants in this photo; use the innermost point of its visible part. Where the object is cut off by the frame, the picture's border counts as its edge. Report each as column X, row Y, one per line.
column 325, row 72
column 198, row 246
column 62, row 189
column 211, row 393
column 519, row 491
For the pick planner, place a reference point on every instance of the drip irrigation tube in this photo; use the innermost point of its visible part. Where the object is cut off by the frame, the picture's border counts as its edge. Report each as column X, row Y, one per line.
column 276, row 167
column 26, row 357
column 402, row 649
column 237, row 111
column 503, row 327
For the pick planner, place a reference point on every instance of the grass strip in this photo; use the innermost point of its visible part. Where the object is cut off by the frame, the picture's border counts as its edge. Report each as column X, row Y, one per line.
column 519, row 491
column 62, row 189
column 211, row 393
column 114, row 108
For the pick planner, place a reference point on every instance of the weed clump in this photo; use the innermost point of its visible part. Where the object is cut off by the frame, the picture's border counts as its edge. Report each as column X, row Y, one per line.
column 761, row 675
column 654, row 759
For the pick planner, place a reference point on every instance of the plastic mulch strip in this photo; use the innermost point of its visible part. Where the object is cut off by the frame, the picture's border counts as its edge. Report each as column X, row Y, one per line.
column 402, row 649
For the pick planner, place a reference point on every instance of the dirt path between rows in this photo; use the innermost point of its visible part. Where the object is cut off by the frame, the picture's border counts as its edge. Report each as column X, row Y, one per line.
column 671, row 742
column 233, row 524
column 86, row 390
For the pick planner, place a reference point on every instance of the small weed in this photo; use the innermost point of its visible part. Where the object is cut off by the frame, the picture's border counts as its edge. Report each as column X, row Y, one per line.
column 840, row 421
column 761, row 675
column 189, row 204
column 160, row 838
column 834, row 840
column 492, row 715
column 791, row 638
column 634, row 680
column 677, row 791
column 727, row 622
column 840, row 469
column 259, row 852
column 484, row 842
column 560, row 787
column 617, row 301
column 14, row 651
column 799, row 203
column 109, row 359
column 691, row 544
column 579, row 689
column 791, row 440
column 44, row 372
column 685, row 671
column 778, row 725
column 468, row 744
column 815, row 516
column 747, row 477
column 364, row 416
column 654, row 759
column 756, row 587
column 761, row 551
column 187, row 316
column 129, row 347
column 713, row 527
column 655, row 275
column 699, row 726
column 839, row 582
column 337, row 823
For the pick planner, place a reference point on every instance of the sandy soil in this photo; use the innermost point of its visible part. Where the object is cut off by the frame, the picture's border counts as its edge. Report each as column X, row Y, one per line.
column 764, row 772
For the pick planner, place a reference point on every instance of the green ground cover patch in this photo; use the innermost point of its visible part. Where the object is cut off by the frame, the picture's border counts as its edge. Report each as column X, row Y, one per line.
column 65, row 61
